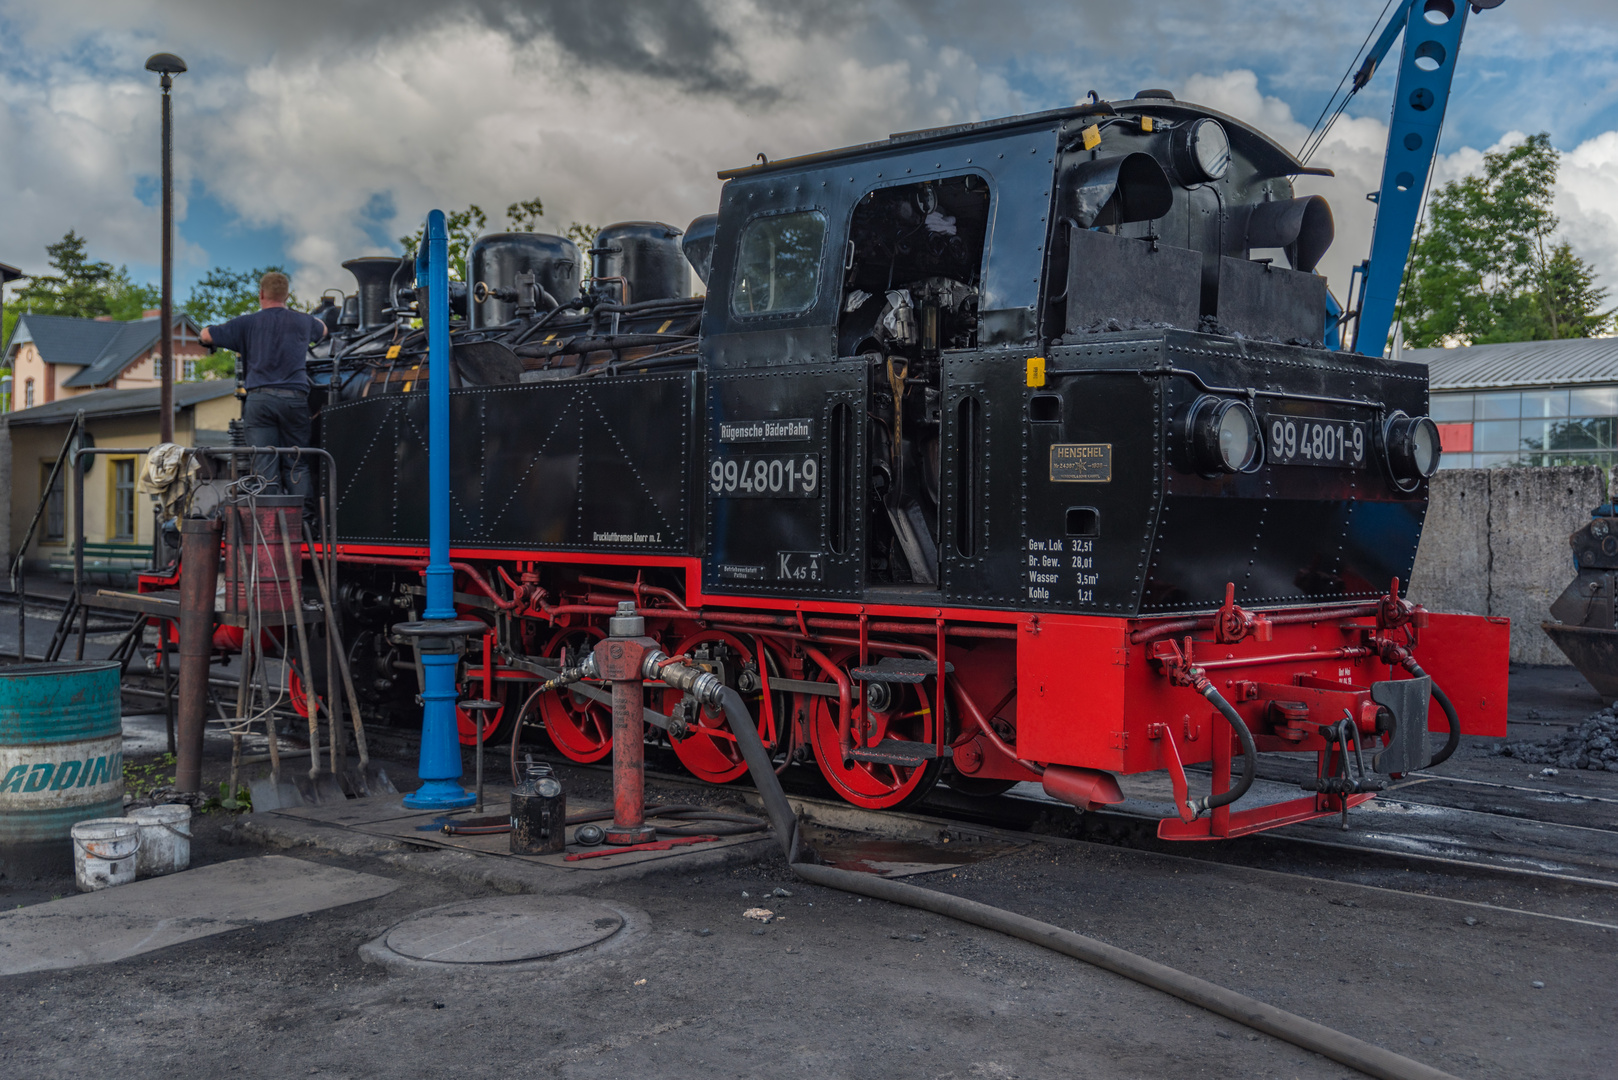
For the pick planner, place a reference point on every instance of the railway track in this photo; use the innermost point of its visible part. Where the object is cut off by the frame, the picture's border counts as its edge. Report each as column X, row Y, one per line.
column 1530, row 847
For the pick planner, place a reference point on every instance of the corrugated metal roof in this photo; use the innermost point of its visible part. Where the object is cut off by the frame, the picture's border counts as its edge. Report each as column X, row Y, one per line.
column 1572, row 362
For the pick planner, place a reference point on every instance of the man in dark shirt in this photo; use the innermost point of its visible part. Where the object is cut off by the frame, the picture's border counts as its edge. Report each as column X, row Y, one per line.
column 273, row 343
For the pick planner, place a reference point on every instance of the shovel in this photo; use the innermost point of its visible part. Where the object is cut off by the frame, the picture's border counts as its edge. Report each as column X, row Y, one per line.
column 364, row 779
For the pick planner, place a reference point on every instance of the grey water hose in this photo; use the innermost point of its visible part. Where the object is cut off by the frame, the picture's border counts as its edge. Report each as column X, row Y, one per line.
column 1345, row 1049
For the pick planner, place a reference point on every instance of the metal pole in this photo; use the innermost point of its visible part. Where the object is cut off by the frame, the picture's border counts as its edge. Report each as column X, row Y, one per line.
column 199, row 577
column 166, row 401
column 78, row 525
column 168, row 686
column 440, row 762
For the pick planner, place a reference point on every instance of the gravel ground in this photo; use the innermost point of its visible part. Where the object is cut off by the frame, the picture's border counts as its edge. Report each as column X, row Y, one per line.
column 842, row 986
column 845, row 987
column 1592, row 744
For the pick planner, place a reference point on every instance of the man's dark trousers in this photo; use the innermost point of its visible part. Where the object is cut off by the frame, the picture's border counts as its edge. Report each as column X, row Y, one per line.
column 278, row 417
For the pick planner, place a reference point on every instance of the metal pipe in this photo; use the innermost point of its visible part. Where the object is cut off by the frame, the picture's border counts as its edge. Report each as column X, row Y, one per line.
column 1347, row 652
column 440, row 762
column 1278, row 618
column 628, row 764
column 199, row 576
column 166, row 394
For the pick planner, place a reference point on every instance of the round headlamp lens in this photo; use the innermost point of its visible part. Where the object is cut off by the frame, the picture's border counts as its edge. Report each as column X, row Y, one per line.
column 1238, row 439
column 1210, row 146
column 1425, row 446
column 1222, row 435
column 1413, row 447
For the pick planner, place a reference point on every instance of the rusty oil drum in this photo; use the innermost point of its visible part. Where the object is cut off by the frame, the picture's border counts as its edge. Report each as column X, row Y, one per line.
column 61, row 756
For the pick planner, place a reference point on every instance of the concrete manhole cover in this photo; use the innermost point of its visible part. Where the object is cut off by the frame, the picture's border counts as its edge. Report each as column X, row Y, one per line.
column 504, row 930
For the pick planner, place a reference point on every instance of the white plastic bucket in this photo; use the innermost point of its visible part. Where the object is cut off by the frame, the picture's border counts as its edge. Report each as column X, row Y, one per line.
column 165, row 839
column 104, row 851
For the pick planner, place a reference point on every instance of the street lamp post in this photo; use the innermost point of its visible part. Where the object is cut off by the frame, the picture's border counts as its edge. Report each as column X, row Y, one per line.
column 168, row 65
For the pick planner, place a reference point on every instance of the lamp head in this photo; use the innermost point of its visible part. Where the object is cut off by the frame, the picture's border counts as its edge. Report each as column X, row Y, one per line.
column 165, row 63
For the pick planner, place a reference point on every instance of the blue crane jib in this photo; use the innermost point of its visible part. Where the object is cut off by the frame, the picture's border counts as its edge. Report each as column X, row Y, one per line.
column 1432, row 39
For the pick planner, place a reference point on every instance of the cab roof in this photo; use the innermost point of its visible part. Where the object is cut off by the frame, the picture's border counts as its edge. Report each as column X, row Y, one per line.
column 1259, row 145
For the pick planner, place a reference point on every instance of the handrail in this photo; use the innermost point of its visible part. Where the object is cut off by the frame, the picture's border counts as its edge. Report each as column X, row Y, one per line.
column 73, row 429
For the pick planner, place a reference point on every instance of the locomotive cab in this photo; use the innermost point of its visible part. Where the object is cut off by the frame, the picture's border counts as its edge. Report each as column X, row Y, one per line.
column 946, row 363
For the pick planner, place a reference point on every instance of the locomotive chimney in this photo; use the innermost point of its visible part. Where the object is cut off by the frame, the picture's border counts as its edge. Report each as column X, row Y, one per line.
column 377, row 275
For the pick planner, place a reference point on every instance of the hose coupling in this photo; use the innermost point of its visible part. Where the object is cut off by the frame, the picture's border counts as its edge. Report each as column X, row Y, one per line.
column 702, row 685
column 584, row 669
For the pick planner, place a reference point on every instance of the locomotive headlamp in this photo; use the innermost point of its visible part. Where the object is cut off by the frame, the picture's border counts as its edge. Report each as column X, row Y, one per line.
column 1222, row 435
column 1412, row 446
column 1202, row 151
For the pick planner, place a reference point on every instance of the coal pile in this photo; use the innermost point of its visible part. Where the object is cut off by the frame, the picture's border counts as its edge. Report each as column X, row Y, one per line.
column 1593, row 744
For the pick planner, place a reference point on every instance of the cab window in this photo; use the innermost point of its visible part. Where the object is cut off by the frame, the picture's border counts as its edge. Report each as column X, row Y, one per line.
column 778, row 264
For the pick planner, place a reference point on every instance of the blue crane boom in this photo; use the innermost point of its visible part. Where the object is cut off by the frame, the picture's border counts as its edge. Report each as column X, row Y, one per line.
column 1432, row 39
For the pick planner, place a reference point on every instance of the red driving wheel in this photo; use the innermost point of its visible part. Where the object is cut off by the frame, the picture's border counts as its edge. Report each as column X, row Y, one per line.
column 299, row 695
column 906, row 715
column 580, row 728
column 710, row 752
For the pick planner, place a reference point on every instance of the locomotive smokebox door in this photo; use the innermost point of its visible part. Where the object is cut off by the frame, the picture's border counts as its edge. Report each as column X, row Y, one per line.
column 1407, row 700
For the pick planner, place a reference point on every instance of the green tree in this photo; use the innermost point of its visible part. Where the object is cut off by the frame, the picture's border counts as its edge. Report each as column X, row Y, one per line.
column 1569, row 298
column 82, row 288
column 1485, row 268
column 524, row 216
column 464, row 227
column 223, row 294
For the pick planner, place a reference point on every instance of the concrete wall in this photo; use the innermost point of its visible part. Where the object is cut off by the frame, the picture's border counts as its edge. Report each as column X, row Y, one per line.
column 1495, row 543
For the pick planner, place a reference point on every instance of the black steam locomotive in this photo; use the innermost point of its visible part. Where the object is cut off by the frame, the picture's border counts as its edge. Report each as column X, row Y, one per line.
column 983, row 444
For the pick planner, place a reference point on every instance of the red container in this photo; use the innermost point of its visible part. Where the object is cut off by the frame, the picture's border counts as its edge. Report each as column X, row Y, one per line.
column 258, row 556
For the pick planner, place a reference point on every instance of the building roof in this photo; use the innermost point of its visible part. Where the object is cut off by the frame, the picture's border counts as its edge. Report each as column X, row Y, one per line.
column 100, row 348
column 9, row 273
column 1571, row 362
column 110, row 403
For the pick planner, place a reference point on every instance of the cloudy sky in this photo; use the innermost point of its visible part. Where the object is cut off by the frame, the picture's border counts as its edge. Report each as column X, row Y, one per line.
column 312, row 131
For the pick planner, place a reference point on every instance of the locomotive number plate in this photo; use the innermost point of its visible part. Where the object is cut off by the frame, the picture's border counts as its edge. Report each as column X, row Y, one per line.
column 1302, row 440
column 765, row 476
